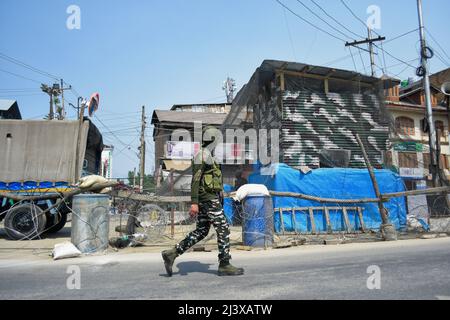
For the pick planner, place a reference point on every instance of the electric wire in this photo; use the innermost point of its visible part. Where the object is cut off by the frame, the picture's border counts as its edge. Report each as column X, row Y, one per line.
column 308, row 22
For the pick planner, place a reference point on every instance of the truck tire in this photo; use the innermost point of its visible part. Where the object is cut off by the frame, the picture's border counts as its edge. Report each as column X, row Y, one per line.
column 24, row 222
column 51, row 226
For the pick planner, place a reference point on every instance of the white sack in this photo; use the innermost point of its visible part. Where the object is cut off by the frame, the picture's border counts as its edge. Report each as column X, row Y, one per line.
column 65, row 250
column 250, row 190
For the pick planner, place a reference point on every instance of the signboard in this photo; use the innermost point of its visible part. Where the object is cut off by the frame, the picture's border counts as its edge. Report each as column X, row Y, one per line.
column 414, row 173
column 106, row 169
column 181, row 149
column 408, row 146
column 230, row 152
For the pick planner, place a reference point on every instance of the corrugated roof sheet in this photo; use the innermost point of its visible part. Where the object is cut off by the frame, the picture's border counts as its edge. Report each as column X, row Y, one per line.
column 187, row 117
column 316, row 70
column 6, row 104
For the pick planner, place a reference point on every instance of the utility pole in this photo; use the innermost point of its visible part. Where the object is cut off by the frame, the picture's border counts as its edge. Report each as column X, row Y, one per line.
column 372, row 56
column 426, row 83
column 63, row 109
column 51, row 91
column 369, row 41
column 142, row 152
column 54, row 91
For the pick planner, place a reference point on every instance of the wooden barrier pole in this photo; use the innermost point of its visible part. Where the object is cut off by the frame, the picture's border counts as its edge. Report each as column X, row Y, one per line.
column 383, row 211
column 172, row 211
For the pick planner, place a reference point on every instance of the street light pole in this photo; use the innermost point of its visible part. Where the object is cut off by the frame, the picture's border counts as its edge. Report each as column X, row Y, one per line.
column 426, row 83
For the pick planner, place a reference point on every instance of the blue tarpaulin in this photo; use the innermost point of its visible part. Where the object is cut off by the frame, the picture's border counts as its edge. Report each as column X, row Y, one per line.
column 336, row 183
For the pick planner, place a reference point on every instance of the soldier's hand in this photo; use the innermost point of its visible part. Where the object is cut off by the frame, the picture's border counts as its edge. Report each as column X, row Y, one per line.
column 194, row 210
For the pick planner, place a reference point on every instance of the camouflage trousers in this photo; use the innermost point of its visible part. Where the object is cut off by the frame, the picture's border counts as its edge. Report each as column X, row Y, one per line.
column 211, row 212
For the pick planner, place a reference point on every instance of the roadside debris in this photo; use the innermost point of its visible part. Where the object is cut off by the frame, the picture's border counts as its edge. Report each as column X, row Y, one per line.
column 417, row 224
column 134, row 240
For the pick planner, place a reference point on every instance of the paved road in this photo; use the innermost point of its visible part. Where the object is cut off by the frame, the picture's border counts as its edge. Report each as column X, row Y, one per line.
column 413, row 269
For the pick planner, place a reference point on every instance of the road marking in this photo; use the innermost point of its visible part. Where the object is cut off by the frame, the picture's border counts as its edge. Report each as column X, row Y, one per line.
column 443, row 297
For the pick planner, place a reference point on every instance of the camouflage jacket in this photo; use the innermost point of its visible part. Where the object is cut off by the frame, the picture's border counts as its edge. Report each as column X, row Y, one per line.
column 203, row 164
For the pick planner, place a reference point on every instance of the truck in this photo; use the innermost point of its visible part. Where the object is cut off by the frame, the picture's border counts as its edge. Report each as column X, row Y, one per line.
column 43, row 158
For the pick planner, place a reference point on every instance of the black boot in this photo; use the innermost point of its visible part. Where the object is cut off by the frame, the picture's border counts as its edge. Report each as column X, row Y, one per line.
column 169, row 257
column 226, row 269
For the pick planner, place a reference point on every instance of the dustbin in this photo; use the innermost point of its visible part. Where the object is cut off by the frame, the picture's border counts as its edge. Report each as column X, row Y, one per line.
column 90, row 222
column 257, row 224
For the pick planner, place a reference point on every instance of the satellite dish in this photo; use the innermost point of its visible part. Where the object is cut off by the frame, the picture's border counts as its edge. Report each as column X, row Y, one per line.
column 445, row 88
column 93, row 103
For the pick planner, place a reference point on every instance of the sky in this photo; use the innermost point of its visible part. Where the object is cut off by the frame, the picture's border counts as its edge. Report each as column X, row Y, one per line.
column 159, row 53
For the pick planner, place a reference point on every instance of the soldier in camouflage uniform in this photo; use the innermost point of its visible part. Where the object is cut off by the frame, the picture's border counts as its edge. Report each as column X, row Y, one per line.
column 206, row 192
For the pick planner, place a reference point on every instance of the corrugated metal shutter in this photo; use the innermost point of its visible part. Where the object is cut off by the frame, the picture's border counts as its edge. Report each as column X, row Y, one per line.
column 313, row 121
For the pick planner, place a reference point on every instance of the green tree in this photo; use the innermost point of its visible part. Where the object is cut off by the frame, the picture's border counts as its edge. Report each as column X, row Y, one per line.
column 149, row 181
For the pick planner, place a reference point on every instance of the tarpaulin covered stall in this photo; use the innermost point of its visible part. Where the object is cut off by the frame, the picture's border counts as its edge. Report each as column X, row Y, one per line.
column 336, row 183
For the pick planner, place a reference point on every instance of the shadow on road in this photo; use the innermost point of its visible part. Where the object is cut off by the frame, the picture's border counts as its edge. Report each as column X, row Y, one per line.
column 185, row 268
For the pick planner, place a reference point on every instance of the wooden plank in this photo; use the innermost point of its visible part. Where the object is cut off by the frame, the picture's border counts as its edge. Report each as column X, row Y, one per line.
column 384, row 197
column 281, row 221
column 313, row 223
column 282, row 82
column 322, row 200
column 347, row 222
column 327, row 219
column 315, row 76
column 361, row 220
column 294, row 221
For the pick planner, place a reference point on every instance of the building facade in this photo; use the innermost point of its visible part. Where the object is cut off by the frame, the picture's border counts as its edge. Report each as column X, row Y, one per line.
column 106, row 169
column 174, row 153
column 409, row 153
column 318, row 111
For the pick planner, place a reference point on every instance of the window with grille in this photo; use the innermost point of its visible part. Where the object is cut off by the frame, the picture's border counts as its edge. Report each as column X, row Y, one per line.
column 443, row 161
column 407, row 160
column 405, row 126
column 439, row 128
column 426, row 160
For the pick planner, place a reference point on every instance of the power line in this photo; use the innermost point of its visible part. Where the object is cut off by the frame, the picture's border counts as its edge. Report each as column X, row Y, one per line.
column 290, row 35
column 401, row 63
column 109, row 130
column 402, row 35
column 308, row 22
column 353, row 59
column 384, row 57
column 393, row 57
column 442, row 59
column 434, row 39
column 27, row 66
column 335, row 20
column 353, row 14
column 315, row 14
column 20, row 76
column 20, row 95
column 362, row 61
column 337, row 60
